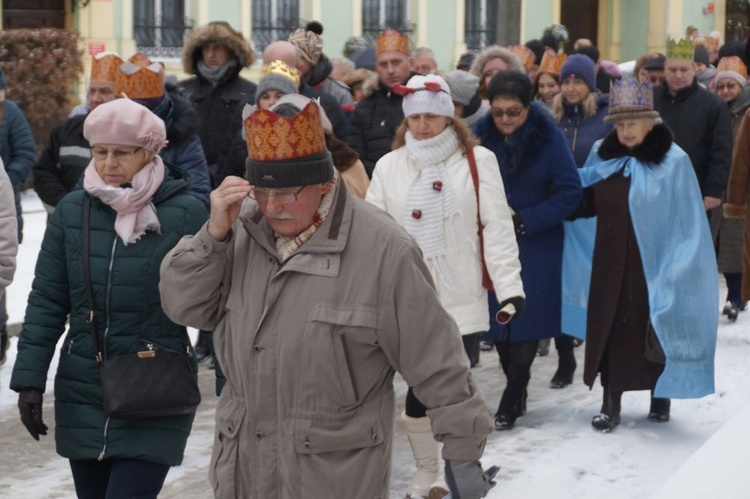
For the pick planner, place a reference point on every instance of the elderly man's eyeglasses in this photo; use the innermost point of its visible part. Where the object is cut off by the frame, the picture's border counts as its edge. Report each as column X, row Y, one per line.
column 513, row 112
column 282, row 196
column 120, row 154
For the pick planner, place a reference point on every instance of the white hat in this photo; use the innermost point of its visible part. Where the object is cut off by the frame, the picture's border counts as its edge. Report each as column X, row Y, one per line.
column 426, row 94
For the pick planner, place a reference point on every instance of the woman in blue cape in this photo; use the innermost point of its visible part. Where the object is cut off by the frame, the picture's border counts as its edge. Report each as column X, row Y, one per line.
column 652, row 315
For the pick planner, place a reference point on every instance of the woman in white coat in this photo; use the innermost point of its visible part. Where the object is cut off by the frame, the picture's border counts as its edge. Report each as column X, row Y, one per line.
column 426, row 184
column 8, row 243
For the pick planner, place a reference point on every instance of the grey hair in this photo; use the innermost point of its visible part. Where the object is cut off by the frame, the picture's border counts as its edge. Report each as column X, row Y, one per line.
column 496, row 52
column 423, row 51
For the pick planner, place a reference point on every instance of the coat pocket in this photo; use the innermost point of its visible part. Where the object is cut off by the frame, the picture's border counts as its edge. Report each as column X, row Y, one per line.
column 364, row 429
column 223, row 476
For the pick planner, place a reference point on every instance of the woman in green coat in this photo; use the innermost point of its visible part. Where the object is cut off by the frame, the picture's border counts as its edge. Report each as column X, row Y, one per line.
column 138, row 211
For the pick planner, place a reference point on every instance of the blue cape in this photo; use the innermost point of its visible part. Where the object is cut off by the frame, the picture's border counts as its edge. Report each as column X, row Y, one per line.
column 578, row 251
column 679, row 263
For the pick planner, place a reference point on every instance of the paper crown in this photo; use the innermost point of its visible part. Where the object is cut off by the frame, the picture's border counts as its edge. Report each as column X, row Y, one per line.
column 525, row 54
column 279, row 67
column 104, row 67
column 682, row 49
column 711, row 43
column 629, row 99
column 391, row 40
column 732, row 63
column 552, row 63
column 139, row 78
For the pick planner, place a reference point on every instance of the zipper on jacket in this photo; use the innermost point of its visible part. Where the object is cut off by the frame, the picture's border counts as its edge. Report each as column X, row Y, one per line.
column 70, row 347
column 106, row 330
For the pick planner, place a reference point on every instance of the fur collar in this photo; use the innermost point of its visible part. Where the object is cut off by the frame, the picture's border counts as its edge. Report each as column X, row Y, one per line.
column 523, row 148
column 652, row 150
column 216, row 32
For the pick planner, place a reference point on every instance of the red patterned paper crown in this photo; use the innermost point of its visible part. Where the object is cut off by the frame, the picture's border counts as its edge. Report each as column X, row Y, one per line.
column 525, row 54
column 104, row 67
column 391, row 40
column 271, row 137
column 732, row 63
column 552, row 63
column 139, row 78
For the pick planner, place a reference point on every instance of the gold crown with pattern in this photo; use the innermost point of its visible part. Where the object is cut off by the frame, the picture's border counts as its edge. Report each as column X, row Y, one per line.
column 139, row 78
column 682, row 49
column 552, row 64
column 279, row 67
column 391, row 40
column 104, row 67
column 525, row 54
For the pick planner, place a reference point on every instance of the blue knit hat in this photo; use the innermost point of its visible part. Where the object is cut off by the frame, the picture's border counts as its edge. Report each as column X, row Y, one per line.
column 580, row 67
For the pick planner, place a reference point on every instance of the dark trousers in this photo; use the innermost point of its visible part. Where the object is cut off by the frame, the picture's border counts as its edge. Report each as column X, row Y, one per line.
column 118, row 478
column 734, row 287
column 416, row 409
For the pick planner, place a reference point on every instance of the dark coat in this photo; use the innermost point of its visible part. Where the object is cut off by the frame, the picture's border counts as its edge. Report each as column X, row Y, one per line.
column 18, row 150
column 581, row 132
column 125, row 282
column 738, row 196
column 703, row 129
column 374, row 125
column 618, row 310
column 332, row 108
column 543, row 187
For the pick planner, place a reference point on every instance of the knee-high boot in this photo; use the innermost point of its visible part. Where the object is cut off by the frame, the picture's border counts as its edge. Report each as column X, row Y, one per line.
column 609, row 416
column 513, row 402
column 429, row 475
column 659, row 411
column 566, row 364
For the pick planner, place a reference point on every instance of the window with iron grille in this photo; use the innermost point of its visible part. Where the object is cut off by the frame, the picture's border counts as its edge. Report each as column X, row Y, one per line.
column 480, row 29
column 161, row 27
column 274, row 20
column 378, row 15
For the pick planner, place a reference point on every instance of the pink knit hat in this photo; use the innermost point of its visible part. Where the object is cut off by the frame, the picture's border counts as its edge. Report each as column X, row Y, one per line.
column 127, row 123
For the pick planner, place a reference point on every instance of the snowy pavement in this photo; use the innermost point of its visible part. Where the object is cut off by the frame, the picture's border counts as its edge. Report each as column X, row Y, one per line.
column 552, row 452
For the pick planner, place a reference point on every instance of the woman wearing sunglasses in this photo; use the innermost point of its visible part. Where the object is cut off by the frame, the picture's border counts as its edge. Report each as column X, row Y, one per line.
column 542, row 187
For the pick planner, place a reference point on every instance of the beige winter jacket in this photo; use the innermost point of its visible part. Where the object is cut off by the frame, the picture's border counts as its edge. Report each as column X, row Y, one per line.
column 8, row 231
column 310, row 347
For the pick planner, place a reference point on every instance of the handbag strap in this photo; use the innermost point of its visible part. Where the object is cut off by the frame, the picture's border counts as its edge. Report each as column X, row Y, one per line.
column 85, row 233
column 475, row 179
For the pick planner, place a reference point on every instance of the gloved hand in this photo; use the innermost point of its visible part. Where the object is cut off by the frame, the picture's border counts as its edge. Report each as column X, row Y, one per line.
column 467, row 480
column 518, row 302
column 30, row 407
column 518, row 224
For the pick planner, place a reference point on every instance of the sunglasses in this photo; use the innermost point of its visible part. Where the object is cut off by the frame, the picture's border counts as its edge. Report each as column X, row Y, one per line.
column 513, row 112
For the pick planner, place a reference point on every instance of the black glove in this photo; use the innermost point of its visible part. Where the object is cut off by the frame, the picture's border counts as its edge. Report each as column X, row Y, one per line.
column 518, row 302
column 467, row 480
column 30, row 407
column 518, row 224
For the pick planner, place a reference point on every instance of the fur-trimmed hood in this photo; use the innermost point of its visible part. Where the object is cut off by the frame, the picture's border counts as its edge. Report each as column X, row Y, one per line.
column 524, row 146
column 652, row 150
column 178, row 114
column 219, row 32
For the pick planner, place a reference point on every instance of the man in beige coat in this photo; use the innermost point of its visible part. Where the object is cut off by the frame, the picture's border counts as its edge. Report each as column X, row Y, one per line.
column 8, row 244
column 316, row 299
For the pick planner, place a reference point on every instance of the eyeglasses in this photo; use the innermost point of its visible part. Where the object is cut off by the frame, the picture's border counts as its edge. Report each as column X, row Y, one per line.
column 282, row 196
column 101, row 153
column 727, row 86
column 513, row 112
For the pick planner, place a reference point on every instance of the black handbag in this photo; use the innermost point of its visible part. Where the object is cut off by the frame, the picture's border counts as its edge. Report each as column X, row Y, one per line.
column 150, row 383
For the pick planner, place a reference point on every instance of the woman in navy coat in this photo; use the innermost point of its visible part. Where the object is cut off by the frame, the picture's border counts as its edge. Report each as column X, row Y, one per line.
column 542, row 187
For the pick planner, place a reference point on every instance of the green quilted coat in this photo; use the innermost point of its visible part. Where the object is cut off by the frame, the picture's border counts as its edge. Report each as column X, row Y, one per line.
column 127, row 303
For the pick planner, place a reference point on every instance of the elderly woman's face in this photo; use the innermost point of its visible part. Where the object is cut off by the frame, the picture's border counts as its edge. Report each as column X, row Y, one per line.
column 118, row 164
column 491, row 68
column 508, row 114
column 574, row 90
column 631, row 133
column 728, row 89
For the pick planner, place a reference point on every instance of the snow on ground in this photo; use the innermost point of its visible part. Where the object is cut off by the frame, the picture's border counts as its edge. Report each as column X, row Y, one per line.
column 552, row 452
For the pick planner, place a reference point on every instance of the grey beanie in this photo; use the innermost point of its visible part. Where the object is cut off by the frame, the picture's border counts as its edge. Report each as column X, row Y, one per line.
column 463, row 86
column 278, row 82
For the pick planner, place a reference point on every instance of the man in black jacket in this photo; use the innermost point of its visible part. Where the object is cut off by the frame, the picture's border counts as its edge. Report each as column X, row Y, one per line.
column 699, row 120
column 378, row 115
column 215, row 54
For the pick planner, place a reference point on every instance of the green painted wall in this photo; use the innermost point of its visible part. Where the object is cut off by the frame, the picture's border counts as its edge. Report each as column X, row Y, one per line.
column 441, row 32
column 337, row 26
column 692, row 13
column 538, row 17
column 225, row 10
column 633, row 29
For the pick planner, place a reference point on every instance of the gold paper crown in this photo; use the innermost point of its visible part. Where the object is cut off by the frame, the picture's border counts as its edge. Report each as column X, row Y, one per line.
column 711, row 43
column 682, row 49
column 732, row 63
column 281, row 68
column 552, row 64
column 271, row 137
column 525, row 54
column 139, row 78
column 391, row 40
column 104, row 67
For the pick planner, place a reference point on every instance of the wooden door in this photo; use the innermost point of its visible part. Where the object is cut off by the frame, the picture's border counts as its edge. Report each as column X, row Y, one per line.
column 581, row 17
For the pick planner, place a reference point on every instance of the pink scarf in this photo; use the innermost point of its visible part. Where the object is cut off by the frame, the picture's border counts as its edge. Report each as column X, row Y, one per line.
column 135, row 212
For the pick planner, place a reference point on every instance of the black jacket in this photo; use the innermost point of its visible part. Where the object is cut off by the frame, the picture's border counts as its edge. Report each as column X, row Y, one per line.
column 331, row 107
column 375, row 121
column 702, row 127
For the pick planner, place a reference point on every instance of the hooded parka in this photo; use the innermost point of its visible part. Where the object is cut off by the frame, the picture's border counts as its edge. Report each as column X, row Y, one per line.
column 126, row 300
column 310, row 346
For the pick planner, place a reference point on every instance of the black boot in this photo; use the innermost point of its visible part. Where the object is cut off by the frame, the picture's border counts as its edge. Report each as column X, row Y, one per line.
column 659, row 411
column 609, row 417
column 566, row 364
column 513, row 403
column 4, row 343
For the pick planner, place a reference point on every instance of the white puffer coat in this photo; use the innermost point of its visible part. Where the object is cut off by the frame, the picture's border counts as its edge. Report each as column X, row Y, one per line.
column 8, row 231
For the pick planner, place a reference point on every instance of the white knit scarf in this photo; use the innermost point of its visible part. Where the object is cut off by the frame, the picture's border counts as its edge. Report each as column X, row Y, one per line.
column 427, row 206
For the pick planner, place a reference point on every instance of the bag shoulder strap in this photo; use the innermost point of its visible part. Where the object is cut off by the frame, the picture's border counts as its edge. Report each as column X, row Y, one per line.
column 85, row 263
